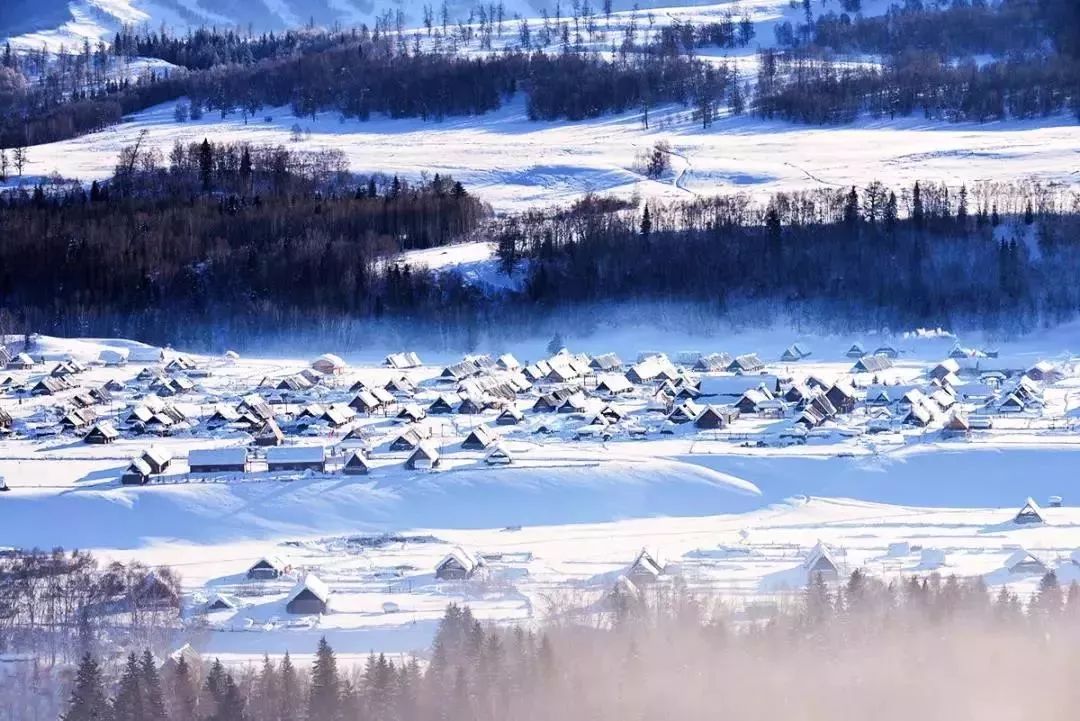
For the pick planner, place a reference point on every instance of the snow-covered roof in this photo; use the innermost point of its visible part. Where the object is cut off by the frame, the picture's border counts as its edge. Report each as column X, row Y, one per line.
column 315, row 585
column 296, row 454
column 461, row 557
column 217, row 456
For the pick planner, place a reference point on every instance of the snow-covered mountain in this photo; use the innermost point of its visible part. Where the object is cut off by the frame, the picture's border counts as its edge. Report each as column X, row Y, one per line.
column 31, row 23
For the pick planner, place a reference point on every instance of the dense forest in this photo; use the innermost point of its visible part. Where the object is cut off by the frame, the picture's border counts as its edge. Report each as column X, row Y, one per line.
column 932, row 60
column 249, row 241
column 650, row 653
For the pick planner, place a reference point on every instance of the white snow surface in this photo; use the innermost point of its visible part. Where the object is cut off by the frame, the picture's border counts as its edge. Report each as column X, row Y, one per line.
column 514, row 163
column 567, row 517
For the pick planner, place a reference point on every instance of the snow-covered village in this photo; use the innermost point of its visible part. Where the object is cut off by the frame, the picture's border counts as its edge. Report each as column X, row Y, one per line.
column 553, row 361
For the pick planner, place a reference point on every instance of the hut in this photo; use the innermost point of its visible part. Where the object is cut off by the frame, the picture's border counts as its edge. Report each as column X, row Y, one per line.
column 748, row 363
column 158, row 459
column 101, row 433
column 443, row 405
column 267, row 569
column 1023, row 561
column 311, row 596
column 1030, row 513
column 137, row 474
column 356, row 465
column 855, row 351
column 511, row 416
column 329, row 364
column 458, row 565
column 645, row 569
column 499, row 456
column 270, row 434
column 425, row 457
column 794, row 352
column 113, row 357
column 479, row 438
column 820, row 562
column 715, row 417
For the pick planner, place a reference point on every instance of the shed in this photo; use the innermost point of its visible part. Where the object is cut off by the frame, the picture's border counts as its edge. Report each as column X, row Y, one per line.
column 855, row 351
column 311, row 596
column 794, row 352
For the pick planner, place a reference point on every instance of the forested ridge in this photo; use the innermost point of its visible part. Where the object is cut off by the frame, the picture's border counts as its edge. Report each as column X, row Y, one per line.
column 958, row 60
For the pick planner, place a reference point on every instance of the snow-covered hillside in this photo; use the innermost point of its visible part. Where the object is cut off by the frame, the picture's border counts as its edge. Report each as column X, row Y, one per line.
column 515, row 163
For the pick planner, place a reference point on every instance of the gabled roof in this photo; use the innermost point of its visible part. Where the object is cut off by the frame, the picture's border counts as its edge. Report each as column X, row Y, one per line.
column 461, row 557
column 1030, row 512
column 645, row 563
column 314, row 585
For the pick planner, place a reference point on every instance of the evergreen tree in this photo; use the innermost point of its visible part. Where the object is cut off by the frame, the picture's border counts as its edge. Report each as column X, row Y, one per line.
column 128, row 704
column 183, row 694
column 1048, row 598
column 891, row 214
column 206, row 164
column 88, row 700
column 646, row 223
column 153, row 698
column 1029, row 214
column 962, row 208
column 917, row 215
column 851, row 209
column 290, row 691
column 324, row 697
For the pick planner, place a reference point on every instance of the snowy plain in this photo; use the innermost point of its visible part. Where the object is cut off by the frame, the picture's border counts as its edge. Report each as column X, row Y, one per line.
column 560, row 524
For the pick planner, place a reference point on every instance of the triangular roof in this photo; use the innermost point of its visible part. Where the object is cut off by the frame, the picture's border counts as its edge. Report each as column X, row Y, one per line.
column 314, row 585
column 1030, row 512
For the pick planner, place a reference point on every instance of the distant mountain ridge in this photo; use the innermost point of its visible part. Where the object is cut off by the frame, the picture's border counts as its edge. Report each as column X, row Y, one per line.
column 31, row 23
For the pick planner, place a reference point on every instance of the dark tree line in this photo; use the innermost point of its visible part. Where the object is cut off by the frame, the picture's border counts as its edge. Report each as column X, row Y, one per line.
column 931, row 64
column 645, row 653
column 872, row 255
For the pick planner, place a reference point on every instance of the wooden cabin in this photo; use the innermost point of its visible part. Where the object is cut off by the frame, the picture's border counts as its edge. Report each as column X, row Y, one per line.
column 310, row 597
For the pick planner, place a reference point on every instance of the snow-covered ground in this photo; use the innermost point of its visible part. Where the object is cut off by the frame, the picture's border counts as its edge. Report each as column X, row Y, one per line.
column 515, row 163
column 732, row 512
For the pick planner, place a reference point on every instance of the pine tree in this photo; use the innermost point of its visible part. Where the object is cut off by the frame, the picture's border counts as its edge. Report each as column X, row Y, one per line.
column 1029, row 213
column 153, row 698
column 183, row 695
column 917, row 216
column 266, row 699
column 962, row 208
column 290, row 691
column 851, row 208
column 324, row 697
column 206, row 164
column 128, row 704
column 245, row 171
column 231, row 705
column 995, row 219
column 646, row 223
column 1048, row 598
column 88, row 700
column 891, row 213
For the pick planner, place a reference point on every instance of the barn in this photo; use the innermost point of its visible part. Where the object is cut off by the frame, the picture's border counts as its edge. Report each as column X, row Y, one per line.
column 311, row 596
